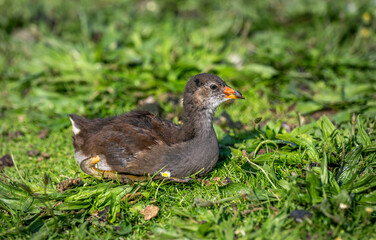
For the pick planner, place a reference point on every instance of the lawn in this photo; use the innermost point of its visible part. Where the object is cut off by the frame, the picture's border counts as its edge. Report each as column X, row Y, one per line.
column 297, row 156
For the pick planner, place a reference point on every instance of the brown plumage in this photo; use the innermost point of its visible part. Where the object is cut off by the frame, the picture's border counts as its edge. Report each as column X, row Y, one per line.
column 139, row 143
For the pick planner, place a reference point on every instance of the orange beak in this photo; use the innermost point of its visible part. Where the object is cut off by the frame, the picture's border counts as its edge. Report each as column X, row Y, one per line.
column 232, row 94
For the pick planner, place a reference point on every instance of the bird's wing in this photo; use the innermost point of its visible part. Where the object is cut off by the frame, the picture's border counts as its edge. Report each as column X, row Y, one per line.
column 120, row 139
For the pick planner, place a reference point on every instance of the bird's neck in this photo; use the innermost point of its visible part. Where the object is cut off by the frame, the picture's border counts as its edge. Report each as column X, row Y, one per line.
column 197, row 123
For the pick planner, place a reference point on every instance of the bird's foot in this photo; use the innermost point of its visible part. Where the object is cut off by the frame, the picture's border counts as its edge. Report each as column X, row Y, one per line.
column 89, row 167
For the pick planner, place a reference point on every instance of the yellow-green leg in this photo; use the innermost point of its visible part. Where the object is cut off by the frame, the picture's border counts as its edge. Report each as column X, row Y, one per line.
column 88, row 167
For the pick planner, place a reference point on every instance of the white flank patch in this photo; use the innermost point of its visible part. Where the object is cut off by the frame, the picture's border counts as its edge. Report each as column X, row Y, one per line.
column 79, row 156
column 75, row 129
column 103, row 165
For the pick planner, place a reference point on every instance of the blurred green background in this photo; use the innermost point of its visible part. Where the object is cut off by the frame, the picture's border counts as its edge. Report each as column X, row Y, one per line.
column 293, row 60
column 100, row 58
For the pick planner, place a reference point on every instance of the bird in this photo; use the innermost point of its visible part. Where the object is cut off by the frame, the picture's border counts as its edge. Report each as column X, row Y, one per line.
column 136, row 145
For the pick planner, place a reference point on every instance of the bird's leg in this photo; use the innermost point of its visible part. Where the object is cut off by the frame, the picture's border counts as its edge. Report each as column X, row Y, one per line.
column 88, row 167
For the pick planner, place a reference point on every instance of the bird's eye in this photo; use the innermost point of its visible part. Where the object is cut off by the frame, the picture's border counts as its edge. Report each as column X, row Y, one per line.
column 213, row 87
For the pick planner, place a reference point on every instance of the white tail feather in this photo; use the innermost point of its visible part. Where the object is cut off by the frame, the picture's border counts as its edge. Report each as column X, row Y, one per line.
column 76, row 130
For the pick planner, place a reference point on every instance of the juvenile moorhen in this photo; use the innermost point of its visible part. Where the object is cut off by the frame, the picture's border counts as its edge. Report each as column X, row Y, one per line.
column 136, row 144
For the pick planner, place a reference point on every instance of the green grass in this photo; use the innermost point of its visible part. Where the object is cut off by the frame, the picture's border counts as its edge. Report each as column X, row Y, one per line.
column 294, row 61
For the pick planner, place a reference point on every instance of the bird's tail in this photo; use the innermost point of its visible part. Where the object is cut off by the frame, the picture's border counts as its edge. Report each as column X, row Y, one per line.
column 78, row 123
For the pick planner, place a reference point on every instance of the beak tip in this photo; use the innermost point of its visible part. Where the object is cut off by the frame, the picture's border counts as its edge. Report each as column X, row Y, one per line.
column 239, row 95
column 233, row 94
